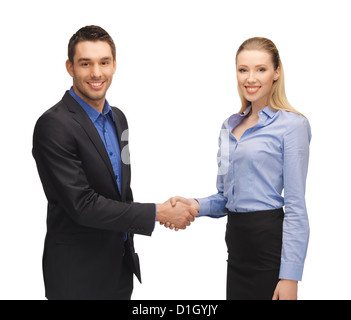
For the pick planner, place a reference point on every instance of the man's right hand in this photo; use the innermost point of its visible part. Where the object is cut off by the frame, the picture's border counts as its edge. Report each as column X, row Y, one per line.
column 180, row 215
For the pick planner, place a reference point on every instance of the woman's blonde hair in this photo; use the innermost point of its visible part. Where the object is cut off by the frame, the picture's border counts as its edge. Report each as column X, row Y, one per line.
column 277, row 99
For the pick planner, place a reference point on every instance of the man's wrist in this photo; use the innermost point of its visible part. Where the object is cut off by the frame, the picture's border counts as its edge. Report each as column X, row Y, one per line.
column 160, row 207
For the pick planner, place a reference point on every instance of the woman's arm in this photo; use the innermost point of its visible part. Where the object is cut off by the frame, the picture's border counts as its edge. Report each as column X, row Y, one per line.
column 295, row 226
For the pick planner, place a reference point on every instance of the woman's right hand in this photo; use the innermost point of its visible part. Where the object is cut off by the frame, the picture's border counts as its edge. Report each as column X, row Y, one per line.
column 190, row 202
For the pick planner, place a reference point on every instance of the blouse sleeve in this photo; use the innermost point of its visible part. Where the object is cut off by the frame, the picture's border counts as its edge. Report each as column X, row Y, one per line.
column 295, row 226
column 214, row 206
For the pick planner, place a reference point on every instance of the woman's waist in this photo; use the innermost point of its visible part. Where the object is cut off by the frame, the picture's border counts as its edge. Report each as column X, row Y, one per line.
column 253, row 204
column 264, row 211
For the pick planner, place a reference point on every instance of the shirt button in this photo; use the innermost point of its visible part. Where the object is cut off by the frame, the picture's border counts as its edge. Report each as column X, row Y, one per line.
column 111, row 153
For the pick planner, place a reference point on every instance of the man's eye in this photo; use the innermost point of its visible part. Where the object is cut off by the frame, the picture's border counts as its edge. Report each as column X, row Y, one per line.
column 85, row 64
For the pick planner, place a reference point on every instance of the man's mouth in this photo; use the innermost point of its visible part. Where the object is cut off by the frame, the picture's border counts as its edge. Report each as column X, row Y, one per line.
column 252, row 89
column 96, row 85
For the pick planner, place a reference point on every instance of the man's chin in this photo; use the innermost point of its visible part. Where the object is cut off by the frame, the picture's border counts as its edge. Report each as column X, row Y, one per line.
column 92, row 96
column 96, row 97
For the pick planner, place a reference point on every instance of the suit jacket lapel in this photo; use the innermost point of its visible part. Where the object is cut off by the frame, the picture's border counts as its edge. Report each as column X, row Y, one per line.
column 123, row 142
column 83, row 119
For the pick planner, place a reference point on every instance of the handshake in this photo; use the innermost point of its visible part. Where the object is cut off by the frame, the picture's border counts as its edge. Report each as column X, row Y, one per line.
column 177, row 213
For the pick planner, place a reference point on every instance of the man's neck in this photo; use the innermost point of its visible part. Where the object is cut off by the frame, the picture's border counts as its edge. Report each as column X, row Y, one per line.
column 96, row 104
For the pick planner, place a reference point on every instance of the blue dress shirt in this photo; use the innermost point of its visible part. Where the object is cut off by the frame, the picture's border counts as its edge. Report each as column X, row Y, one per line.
column 252, row 173
column 104, row 124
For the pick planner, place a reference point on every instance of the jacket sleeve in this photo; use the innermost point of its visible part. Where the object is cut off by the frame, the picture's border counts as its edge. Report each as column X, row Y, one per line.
column 66, row 184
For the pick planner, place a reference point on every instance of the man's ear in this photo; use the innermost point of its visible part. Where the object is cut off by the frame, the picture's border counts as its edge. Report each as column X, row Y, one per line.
column 114, row 66
column 69, row 67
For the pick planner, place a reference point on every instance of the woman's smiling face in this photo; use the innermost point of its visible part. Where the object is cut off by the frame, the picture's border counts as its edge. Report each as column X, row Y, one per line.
column 255, row 75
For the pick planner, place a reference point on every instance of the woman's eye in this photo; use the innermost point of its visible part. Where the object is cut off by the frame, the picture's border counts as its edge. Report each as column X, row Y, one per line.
column 262, row 69
column 242, row 70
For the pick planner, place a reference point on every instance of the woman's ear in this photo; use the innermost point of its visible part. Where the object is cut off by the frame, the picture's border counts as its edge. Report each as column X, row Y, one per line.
column 276, row 74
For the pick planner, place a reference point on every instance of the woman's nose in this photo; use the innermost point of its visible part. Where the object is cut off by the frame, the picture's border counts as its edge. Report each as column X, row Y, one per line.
column 251, row 78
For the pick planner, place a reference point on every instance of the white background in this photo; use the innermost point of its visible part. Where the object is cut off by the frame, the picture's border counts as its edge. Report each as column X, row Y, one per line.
column 176, row 83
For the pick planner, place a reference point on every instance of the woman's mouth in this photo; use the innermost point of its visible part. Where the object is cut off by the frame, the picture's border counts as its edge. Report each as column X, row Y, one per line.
column 252, row 89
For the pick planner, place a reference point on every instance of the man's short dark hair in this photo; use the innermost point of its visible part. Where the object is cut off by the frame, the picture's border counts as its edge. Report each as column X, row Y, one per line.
column 90, row 33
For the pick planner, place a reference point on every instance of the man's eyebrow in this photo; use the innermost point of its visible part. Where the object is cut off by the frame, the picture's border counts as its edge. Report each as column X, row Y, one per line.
column 88, row 59
column 83, row 59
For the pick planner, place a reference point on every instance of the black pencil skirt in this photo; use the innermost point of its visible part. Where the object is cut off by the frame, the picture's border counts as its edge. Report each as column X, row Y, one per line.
column 254, row 241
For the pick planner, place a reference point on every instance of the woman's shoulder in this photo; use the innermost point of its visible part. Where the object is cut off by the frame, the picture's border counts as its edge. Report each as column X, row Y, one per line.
column 295, row 123
column 230, row 122
column 293, row 119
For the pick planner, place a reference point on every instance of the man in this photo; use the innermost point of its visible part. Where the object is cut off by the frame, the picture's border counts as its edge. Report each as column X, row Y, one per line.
column 81, row 150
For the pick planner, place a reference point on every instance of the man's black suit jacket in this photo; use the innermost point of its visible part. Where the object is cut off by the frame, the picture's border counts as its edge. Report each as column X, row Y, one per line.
column 87, row 215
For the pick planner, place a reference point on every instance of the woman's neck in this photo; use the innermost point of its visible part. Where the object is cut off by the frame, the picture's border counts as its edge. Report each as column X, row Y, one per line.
column 255, row 109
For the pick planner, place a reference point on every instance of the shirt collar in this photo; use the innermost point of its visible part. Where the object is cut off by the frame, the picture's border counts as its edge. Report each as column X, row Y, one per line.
column 92, row 112
column 246, row 111
column 236, row 118
column 267, row 110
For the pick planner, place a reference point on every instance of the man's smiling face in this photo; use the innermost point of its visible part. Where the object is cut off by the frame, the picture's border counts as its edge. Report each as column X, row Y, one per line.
column 92, row 71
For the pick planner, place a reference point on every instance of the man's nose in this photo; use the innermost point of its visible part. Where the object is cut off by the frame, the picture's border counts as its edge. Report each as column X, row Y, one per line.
column 96, row 71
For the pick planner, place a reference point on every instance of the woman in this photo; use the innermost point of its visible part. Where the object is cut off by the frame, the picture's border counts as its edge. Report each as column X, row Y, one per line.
column 263, row 149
